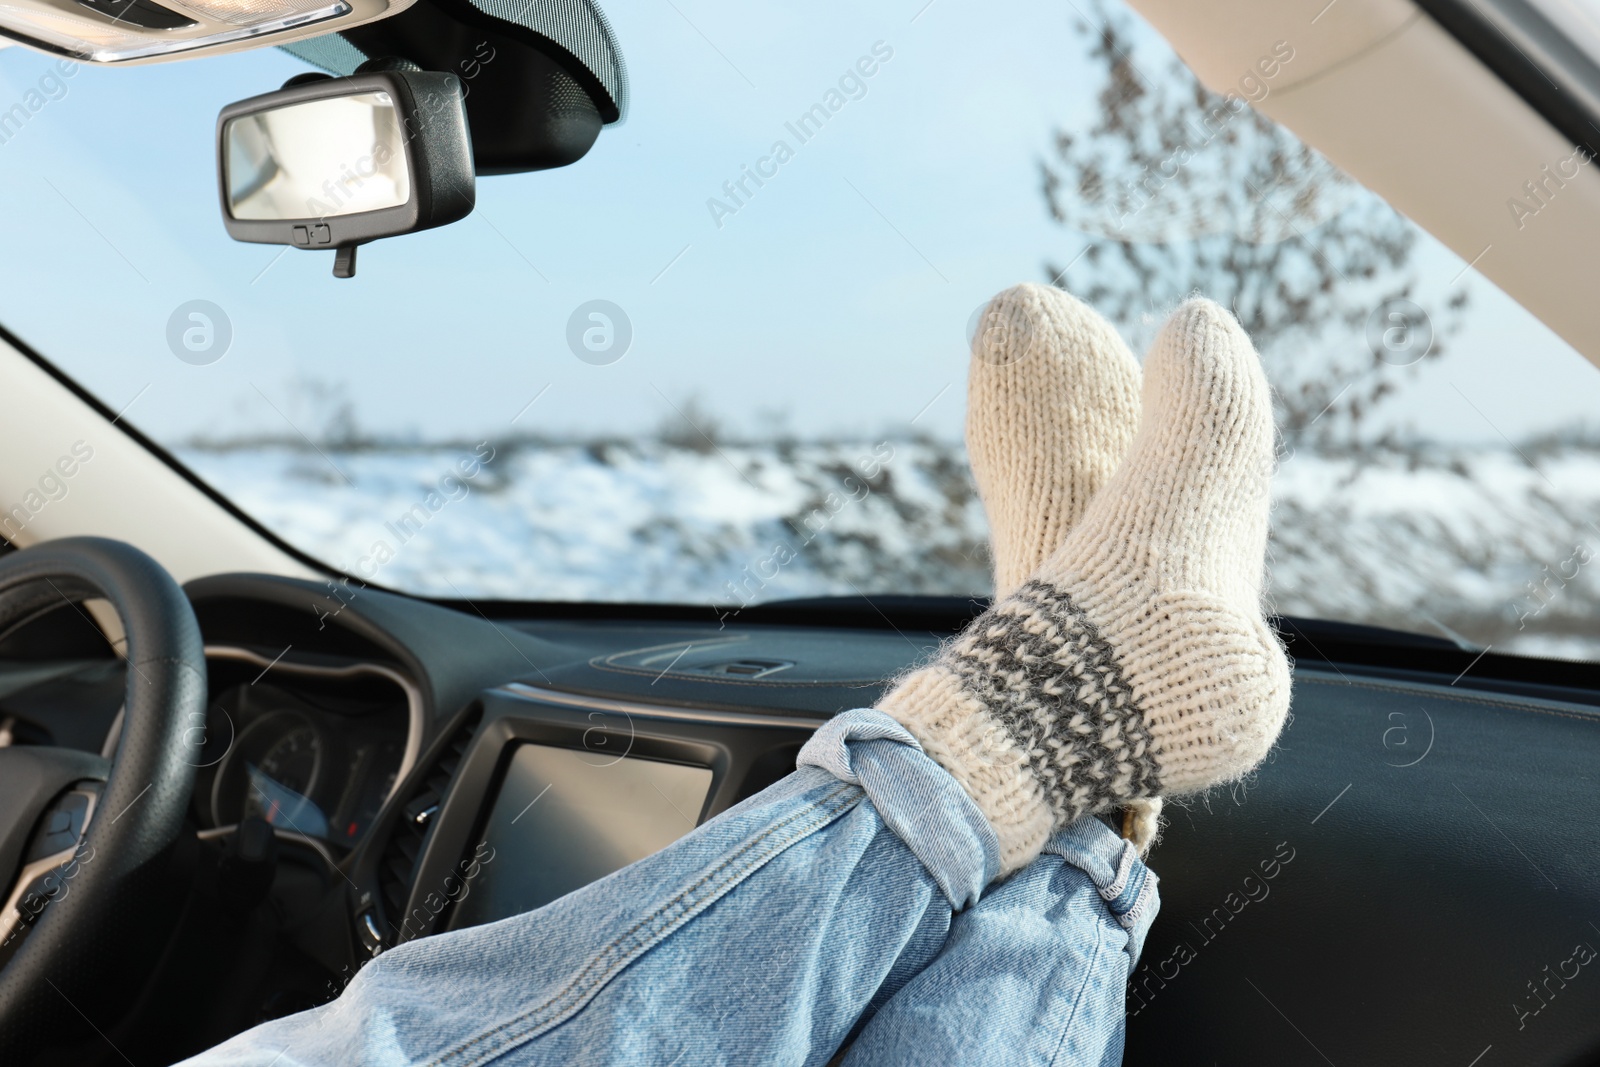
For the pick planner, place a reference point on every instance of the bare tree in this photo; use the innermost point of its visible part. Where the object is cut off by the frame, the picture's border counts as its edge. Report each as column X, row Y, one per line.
column 1179, row 190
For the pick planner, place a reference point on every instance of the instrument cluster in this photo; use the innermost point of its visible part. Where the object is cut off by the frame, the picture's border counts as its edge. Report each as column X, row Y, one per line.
column 312, row 749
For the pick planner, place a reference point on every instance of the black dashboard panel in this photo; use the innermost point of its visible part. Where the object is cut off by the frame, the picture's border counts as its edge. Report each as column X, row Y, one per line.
column 1433, row 895
column 792, row 670
column 449, row 655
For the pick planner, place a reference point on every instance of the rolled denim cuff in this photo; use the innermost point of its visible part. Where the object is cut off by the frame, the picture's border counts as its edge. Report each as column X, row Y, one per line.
column 1128, row 887
column 916, row 798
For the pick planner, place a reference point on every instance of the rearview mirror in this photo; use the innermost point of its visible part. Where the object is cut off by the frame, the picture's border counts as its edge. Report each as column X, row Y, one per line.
column 331, row 163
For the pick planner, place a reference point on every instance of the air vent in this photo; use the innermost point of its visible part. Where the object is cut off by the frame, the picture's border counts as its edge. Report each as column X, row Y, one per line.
column 744, row 668
column 399, row 863
column 776, row 658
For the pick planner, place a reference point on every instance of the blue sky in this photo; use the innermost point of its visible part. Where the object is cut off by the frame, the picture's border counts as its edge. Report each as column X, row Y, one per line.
column 835, row 300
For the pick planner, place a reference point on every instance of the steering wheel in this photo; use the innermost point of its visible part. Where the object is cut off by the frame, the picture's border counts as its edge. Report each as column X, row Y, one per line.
column 81, row 900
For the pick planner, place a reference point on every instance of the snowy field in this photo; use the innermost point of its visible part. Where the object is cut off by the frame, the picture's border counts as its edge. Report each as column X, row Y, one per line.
column 1493, row 545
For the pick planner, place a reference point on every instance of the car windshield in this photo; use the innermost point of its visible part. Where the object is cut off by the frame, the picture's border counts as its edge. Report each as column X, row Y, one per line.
column 721, row 359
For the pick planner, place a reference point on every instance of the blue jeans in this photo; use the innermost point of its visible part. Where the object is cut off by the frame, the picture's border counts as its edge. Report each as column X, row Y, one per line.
column 848, row 904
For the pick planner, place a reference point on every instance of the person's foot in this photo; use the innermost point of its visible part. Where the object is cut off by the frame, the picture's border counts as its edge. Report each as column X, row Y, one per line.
column 1135, row 661
column 1052, row 406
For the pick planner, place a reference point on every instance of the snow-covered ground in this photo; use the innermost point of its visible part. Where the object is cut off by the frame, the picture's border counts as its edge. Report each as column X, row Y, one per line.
column 1473, row 542
column 1479, row 542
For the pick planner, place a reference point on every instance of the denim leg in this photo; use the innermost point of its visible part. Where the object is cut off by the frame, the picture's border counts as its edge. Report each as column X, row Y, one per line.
column 760, row 938
column 1035, row 974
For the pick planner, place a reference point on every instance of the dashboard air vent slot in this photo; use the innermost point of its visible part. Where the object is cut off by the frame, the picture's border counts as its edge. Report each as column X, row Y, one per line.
column 744, row 668
column 398, row 865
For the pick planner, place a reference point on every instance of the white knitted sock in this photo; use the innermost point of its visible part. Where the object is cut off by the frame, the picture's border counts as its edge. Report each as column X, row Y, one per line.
column 1135, row 661
column 1052, row 406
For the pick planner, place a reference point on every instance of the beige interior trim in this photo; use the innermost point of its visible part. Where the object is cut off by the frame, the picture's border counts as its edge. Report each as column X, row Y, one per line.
column 1401, row 106
column 1221, row 40
column 361, row 12
column 121, row 491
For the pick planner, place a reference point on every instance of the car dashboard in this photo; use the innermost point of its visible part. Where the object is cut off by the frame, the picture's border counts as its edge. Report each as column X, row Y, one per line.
column 396, row 747
column 421, row 768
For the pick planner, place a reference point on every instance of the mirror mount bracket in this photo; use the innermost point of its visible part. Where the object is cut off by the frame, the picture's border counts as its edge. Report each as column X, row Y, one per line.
column 344, row 261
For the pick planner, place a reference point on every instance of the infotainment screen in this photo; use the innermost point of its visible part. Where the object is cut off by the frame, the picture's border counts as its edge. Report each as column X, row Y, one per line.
column 565, row 817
